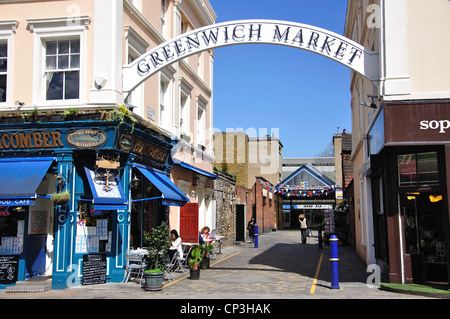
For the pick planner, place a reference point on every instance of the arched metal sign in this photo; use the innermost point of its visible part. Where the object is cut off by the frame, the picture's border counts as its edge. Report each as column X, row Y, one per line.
column 297, row 35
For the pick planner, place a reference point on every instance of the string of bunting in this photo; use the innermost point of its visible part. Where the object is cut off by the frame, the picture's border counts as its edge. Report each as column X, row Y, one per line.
column 299, row 191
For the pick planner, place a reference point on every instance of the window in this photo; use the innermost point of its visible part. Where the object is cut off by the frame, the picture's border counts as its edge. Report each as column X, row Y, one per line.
column 3, row 71
column 163, row 18
column 62, row 69
column 201, row 123
column 418, row 169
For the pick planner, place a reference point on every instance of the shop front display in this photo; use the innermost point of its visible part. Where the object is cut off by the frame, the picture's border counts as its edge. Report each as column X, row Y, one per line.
column 93, row 163
column 409, row 168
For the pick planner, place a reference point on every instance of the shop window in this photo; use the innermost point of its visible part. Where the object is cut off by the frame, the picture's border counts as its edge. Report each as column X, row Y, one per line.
column 94, row 230
column 62, row 69
column 3, row 71
column 418, row 169
column 12, row 225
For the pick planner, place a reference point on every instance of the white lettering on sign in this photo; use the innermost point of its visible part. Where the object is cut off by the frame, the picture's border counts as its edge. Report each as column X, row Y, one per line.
column 441, row 125
column 302, row 36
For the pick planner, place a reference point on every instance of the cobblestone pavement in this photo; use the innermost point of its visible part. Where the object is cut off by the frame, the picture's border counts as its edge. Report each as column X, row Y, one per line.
column 280, row 268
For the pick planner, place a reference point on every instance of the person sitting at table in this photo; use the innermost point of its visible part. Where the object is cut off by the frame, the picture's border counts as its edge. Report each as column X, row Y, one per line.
column 175, row 244
column 204, row 234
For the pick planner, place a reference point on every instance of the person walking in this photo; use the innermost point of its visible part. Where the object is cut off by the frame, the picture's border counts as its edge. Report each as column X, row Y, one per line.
column 251, row 229
column 303, row 227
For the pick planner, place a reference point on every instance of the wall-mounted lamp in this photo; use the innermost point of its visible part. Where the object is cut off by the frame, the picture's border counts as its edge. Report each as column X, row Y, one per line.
column 207, row 196
column 372, row 104
column 192, row 193
column 135, row 181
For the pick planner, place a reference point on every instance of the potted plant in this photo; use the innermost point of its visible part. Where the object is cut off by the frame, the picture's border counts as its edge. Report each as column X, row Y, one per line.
column 61, row 198
column 157, row 244
column 206, row 250
column 194, row 261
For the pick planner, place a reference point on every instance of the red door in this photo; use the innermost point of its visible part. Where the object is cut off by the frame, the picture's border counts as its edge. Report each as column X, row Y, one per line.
column 189, row 223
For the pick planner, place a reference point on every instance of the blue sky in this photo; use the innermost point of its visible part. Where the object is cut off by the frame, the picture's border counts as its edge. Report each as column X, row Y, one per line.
column 299, row 94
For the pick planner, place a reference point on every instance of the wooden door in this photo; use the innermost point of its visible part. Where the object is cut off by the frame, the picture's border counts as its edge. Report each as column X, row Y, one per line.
column 189, row 223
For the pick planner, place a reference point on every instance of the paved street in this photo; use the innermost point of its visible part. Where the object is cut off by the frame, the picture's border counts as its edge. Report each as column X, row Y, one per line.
column 280, row 268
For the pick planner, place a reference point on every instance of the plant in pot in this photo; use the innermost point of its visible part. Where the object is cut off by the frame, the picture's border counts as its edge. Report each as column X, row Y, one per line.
column 194, row 261
column 61, row 198
column 206, row 250
column 157, row 242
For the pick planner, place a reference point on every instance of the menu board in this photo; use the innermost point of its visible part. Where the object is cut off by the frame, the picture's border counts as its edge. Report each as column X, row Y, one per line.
column 94, row 269
column 9, row 269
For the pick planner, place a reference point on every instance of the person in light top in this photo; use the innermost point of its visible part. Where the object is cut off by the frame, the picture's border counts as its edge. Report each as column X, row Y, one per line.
column 175, row 244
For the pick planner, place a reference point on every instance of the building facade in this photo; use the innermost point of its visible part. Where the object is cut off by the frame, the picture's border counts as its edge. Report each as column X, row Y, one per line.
column 401, row 141
column 66, row 125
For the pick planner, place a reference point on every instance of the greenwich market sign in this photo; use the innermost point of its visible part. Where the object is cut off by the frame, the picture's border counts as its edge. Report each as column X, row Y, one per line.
column 301, row 36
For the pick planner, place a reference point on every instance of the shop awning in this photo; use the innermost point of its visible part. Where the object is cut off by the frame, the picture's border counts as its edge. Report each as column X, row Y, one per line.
column 20, row 178
column 195, row 169
column 107, row 195
column 171, row 194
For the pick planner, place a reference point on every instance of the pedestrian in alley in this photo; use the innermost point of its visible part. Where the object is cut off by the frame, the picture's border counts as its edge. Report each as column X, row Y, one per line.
column 251, row 229
column 303, row 227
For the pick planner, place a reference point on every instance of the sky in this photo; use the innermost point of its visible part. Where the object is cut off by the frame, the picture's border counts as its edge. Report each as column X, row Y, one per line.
column 299, row 96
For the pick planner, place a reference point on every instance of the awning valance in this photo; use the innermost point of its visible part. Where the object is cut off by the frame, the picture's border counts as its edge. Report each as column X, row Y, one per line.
column 171, row 194
column 195, row 169
column 107, row 196
column 20, row 178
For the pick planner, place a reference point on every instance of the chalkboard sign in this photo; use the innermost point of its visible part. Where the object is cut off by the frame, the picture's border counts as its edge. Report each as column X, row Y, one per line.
column 9, row 269
column 94, row 269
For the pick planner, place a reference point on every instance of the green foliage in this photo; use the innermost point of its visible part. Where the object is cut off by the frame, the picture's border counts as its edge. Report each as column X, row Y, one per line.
column 60, row 198
column 157, row 243
column 196, row 256
column 206, row 249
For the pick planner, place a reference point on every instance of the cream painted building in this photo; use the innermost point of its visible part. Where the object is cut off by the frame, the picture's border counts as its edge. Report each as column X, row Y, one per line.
column 401, row 142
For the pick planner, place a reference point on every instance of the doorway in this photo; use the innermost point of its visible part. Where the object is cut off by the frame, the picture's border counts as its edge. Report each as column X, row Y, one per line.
column 424, row 235
column 240, row 223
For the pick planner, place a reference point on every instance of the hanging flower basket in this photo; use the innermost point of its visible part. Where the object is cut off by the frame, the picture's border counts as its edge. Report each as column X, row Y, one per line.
column 61, row 198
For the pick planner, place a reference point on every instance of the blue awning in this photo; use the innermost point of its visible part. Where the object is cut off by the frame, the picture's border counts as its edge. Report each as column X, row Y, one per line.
column 20, row 178
column 171, row 194
column 195, row 169
column 107, row 196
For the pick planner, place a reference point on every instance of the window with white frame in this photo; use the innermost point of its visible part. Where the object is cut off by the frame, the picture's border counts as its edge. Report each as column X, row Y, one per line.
column 185, row 94
column 62, row 69
column 165, row 102
column 3, row 71
column 201, row 109
column 59, row 60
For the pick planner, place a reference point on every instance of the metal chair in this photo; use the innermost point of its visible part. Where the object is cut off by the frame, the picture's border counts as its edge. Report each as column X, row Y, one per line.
column 135, row 265
column 170, row 267
column 182, row 262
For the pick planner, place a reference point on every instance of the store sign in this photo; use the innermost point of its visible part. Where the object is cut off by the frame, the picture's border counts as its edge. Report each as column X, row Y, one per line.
column 17, row 202
column 86, row 138
column 301, row 36
column 318, row 206
column 440, row 125
column 30, row 140
column 135, row 145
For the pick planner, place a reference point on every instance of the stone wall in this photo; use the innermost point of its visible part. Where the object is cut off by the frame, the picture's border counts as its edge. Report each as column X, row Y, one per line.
column 225, row 197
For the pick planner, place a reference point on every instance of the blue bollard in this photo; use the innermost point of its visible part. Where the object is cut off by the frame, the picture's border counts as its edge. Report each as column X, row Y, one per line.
column 256, row 235
column 334, row 262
